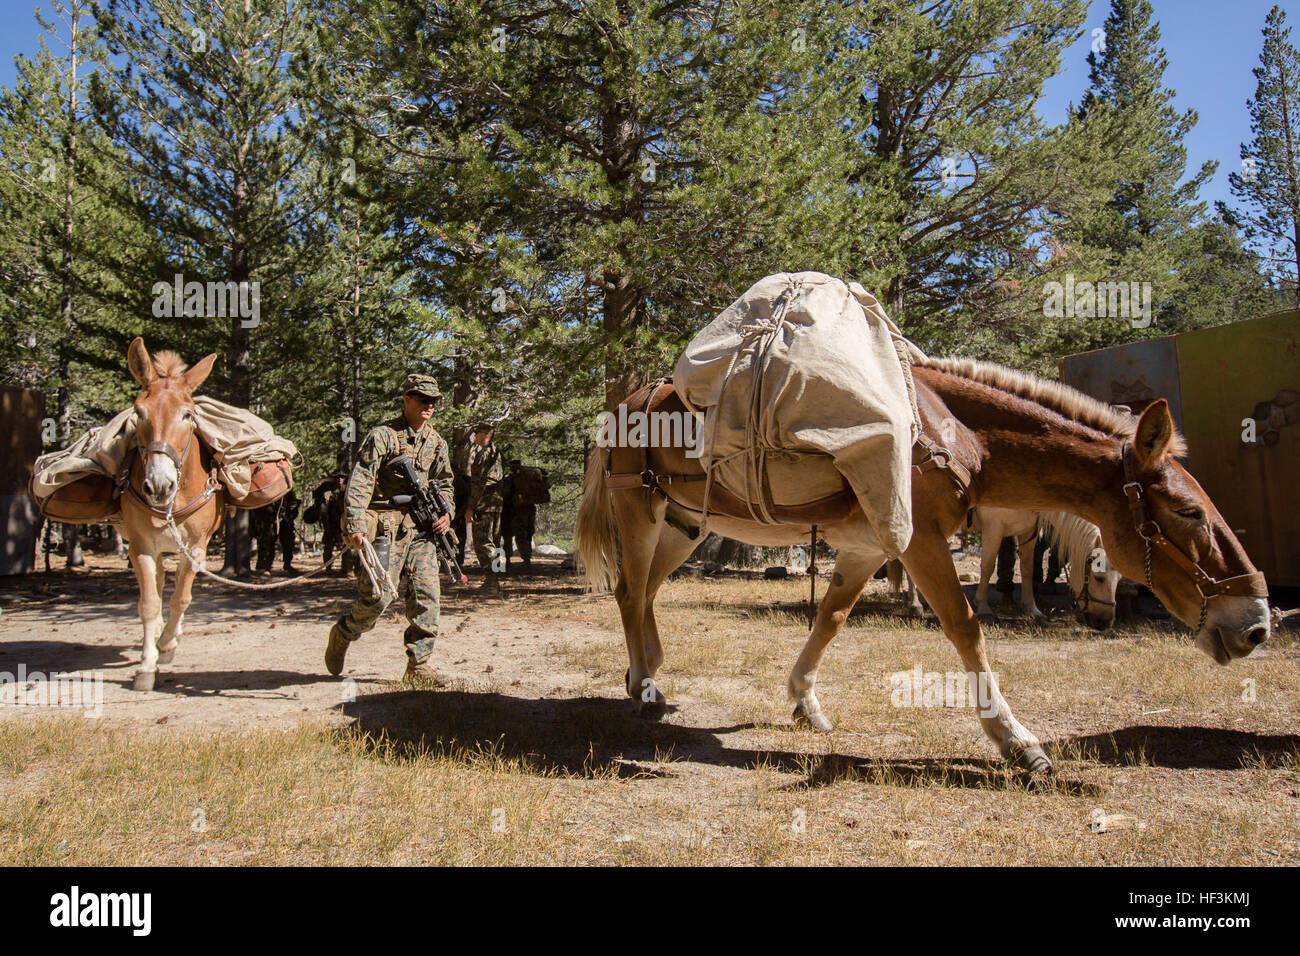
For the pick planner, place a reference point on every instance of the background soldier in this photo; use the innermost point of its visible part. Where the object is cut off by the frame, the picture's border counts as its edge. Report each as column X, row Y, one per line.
column 327, row 509
column 262, row 528
column 508, row 512
column 460, row 469
column 288, row 511
column 529, row 488
column 368, row 514
column 484, row 511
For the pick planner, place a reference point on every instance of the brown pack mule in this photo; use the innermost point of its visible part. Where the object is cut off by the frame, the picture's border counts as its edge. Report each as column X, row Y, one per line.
column 1013, row 441
column 169, row 482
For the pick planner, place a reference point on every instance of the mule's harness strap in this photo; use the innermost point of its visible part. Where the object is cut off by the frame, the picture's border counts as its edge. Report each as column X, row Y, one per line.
column 939, row 457
column 1241, row 585
column 163, row 448
column 647, row 478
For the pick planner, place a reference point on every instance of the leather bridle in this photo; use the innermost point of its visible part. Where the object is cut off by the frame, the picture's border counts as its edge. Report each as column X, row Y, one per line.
column 1208, row 586
column 1084, row 604
column 165, row 448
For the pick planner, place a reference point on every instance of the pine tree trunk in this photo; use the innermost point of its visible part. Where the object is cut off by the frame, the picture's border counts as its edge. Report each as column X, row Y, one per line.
column 71, row 538
column 238, row 539
column 621, row 306
column 354, row 386
column 621, row 315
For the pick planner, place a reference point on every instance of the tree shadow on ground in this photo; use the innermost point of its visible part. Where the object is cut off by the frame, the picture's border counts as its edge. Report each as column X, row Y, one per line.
column 52, row 656
column 593, row 736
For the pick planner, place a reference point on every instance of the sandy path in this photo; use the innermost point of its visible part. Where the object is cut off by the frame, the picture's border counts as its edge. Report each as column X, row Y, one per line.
column 255, row 658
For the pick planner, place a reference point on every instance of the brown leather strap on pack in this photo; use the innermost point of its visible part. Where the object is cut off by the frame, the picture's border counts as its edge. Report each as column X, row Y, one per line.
column 939, row 457
column 648, row 479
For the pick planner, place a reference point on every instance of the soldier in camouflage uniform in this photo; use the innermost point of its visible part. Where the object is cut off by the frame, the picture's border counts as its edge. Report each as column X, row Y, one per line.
column 368, row 513
column 484, row 509
column 288, row 532
column 262, row 529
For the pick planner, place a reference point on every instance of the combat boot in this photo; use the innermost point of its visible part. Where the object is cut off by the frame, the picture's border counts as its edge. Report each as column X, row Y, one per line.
column 422, row 674
column 491, row 582
column 336, row 650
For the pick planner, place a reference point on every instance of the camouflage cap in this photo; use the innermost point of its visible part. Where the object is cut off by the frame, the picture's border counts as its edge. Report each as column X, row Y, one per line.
column 421, row 385
column 484, row 427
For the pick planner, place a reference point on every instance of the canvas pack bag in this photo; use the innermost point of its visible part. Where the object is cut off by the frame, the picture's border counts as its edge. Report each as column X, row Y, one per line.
column 805, row 386
column 79, row 483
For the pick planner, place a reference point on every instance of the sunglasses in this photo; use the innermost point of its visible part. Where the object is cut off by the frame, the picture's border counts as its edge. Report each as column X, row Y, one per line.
column 422, row 399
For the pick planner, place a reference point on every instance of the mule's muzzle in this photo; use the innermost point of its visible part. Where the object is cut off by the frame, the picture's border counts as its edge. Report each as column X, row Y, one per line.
column 158, row 491
column 1226, row 642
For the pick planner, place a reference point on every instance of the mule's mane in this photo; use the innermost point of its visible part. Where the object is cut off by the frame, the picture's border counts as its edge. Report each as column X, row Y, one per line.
column 1069, row 402
column 168, row 364
column 1073, row 537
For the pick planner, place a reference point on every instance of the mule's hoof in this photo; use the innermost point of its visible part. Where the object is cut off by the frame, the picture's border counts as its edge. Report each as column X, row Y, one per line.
column 816, row 721
column 987, row 618
column 144, row 680
column 166, row 657
column 1039, row 619
column 1032, row 759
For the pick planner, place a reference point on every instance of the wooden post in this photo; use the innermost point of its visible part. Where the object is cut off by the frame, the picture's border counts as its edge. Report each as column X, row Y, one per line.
column 812, row 579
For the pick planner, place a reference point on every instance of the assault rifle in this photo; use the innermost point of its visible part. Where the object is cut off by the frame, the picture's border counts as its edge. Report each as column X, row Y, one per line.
column 425, row 506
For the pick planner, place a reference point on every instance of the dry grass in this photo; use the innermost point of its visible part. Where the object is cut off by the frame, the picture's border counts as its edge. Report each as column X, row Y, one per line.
column 1140, row 724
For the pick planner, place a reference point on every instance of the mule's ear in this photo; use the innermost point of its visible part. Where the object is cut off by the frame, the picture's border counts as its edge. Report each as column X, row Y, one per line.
column 138, row 361
column 195, row 376
column 1154, row 434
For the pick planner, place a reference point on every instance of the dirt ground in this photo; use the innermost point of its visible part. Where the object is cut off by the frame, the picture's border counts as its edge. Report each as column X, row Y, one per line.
column 255, row 658
column 1190, row 762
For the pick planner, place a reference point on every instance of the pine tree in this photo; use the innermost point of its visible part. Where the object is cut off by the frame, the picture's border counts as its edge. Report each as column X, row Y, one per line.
column 957, row 170
column 1269, row 181
column 207, row 112
column 63, row 308
column 1150, row 206
column 596, row 181
column 1150, row 229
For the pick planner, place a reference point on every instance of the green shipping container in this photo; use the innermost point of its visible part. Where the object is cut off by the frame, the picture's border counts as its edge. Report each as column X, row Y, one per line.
column 1235, row 393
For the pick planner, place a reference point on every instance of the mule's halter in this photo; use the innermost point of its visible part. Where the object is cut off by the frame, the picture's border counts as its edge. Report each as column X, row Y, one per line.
column 1082, row 605
column 1241, row 585
column 164, row 448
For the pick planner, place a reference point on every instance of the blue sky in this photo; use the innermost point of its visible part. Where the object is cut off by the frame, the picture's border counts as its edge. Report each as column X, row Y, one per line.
column 1212, row 45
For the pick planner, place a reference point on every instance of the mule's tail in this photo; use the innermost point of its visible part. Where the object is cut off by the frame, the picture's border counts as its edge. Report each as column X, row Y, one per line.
column 596, row 534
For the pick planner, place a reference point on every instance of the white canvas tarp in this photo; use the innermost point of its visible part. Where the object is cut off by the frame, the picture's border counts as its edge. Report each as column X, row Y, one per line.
column 236, row 437
column 801, row 380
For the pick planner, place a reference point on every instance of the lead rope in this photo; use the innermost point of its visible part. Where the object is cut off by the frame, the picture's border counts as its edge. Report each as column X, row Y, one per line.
column 199, row 561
